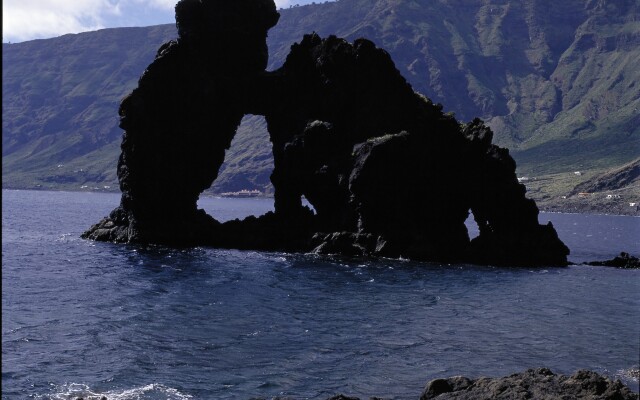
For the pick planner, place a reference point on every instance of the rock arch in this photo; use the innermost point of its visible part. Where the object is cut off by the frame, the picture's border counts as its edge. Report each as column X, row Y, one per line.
column 387, row 171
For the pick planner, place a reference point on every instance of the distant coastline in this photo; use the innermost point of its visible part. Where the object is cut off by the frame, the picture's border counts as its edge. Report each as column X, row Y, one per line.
column 244, row 193
column 594, row 206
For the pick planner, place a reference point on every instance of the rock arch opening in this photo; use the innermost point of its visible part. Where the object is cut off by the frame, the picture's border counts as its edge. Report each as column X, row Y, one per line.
column 472, row 226
column 248, row 163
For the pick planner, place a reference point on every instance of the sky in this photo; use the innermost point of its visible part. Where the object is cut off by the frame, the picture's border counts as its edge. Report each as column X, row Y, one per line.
column 24, row 20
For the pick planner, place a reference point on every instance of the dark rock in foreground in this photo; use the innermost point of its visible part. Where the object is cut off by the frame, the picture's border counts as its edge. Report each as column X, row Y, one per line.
column 624, row 260
column 387, row 172
column 532, row 384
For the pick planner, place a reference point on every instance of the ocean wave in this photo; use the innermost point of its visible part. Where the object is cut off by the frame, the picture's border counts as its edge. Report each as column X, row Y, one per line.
column 77, row 391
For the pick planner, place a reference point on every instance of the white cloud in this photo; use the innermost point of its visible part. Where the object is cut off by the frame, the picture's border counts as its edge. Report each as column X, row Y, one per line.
column 283, row 3
column 170, row 4
column 29, row 19
column 32, row 19
column 160, row 4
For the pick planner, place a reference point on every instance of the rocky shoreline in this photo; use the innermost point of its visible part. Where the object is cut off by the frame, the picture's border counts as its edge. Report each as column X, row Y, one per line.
column 538, row 383
column 624, row 261
column 601, row 206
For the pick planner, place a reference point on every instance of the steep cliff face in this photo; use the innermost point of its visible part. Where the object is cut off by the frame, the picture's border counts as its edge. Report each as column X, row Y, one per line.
column 59, row 105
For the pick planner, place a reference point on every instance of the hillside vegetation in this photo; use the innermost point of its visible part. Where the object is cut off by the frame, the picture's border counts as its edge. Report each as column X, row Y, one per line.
column 558, row 82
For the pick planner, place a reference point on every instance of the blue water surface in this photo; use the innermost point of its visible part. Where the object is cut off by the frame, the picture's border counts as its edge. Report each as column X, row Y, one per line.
column 87, row 319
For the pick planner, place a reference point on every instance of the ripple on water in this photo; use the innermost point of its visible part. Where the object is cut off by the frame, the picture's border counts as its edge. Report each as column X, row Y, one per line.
column 208, row 323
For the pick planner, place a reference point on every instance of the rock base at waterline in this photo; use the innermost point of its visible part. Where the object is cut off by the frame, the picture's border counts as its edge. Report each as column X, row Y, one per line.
column 532, row 384
column 624, row 261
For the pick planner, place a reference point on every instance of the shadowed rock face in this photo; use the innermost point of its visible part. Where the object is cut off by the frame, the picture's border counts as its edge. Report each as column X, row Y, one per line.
column 387, row 172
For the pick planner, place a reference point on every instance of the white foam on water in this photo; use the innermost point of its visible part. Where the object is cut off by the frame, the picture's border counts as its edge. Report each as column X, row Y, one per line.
column 632, row 374
column 74, row 391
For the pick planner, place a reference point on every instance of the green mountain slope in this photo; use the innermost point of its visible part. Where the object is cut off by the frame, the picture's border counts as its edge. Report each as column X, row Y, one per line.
column 557, row 81
column 59, row 105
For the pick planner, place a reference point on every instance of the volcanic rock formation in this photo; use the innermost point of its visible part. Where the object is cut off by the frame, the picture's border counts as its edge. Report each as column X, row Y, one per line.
column 387, row 172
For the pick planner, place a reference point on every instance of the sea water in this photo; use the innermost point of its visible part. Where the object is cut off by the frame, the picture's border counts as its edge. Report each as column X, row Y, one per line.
column 87, row 319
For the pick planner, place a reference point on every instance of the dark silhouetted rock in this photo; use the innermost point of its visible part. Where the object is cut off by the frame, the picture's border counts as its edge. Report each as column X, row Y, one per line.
column 532, row 384
column 624, row 260
column 380, row 161
column 387, row 172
